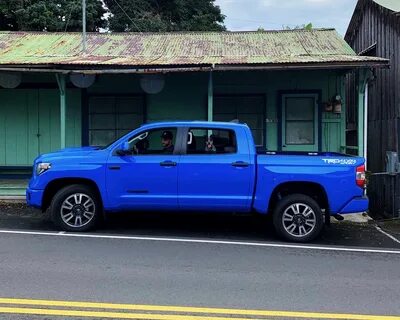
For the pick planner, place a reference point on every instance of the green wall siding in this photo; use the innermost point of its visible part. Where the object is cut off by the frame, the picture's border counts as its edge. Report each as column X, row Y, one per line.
column 271, row 83
column 27, row 113
column 18, row 124
column 184, row 96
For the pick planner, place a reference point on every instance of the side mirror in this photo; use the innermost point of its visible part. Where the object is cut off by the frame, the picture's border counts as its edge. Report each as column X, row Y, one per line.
column 124, row 149
column 125, row 146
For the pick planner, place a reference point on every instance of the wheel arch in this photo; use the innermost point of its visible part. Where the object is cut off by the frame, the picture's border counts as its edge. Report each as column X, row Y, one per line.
column 311, row 189
column 56, row 185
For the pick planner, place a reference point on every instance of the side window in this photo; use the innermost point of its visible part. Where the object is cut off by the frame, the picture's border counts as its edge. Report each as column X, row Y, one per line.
column 211, row 141
column 159, row 141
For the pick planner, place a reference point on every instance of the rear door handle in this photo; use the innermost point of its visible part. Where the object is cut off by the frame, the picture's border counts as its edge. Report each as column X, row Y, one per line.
column 168, row 164
column 114, row 167
column 240, row 164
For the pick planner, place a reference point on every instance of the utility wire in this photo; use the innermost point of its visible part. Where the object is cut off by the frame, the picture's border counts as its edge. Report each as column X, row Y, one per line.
column 69, row 18
column 122, row 9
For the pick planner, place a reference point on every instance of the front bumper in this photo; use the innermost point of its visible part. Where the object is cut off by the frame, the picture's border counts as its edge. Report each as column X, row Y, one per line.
column 34, row 197
column 356, row 205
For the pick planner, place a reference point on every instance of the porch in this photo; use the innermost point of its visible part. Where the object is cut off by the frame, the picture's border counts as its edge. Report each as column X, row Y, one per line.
column 286, row 110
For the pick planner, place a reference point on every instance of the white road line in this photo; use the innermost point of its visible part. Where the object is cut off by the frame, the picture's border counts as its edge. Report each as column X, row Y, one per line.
column 387, row 234
column 223, row 242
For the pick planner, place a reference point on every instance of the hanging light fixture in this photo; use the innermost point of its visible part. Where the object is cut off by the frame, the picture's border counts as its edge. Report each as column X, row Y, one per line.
column 82, row 80
column 10, row 80
column 152, row 83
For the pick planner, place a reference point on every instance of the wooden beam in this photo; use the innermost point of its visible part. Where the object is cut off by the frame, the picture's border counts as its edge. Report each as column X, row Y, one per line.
column 63, row 108
column 210, row 97
column 344, row 112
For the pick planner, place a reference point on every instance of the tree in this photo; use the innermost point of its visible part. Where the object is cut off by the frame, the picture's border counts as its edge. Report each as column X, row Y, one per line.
column 307, row 26
column 50, row 15
column 165, row 15
column 7, row 14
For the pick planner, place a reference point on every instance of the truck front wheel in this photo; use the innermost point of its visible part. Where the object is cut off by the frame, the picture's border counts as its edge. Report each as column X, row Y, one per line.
column 75, row 208
column 298, row 218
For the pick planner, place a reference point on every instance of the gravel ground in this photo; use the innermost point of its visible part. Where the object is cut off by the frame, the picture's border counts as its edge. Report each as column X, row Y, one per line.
column 391, row 226
column 17, row 208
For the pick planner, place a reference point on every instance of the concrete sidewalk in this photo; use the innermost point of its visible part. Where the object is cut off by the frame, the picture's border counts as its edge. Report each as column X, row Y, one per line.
column 13, row 189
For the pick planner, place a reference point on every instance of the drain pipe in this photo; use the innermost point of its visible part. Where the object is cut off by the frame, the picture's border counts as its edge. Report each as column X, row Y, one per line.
column 366, row 123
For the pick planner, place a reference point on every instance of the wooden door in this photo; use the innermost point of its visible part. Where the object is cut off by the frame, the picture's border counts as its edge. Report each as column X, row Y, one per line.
column 299, row 122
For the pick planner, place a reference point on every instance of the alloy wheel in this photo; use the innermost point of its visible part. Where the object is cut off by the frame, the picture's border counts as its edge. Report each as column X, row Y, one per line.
column 77, row 210
column 299, row 220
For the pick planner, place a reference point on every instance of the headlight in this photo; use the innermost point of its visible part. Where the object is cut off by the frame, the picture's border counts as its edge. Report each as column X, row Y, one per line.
column 42, row 167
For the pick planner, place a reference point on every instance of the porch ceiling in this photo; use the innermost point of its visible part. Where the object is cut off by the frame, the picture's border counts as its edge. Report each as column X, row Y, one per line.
column 231, row 50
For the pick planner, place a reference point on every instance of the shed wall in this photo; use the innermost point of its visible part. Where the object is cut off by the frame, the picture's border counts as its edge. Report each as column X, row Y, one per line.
column 378, row 25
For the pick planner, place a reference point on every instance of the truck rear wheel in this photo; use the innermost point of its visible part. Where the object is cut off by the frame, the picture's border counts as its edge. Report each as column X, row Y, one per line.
column 298, row 218
column 75, row 208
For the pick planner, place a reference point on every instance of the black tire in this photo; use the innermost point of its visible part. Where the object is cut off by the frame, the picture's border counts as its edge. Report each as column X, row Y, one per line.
column 315, row 217
column 57, row 212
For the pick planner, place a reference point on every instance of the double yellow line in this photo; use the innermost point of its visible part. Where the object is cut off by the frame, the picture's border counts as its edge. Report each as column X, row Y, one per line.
column 152, row 312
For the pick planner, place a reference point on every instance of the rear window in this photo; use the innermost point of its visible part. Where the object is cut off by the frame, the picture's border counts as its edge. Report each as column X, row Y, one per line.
column 211, row 141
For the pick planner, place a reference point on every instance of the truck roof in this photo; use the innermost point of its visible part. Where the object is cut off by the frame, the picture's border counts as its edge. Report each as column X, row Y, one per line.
column 196, row 123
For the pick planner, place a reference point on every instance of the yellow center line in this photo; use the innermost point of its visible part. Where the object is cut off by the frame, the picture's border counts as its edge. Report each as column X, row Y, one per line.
column 111, row 315
column 160, row 309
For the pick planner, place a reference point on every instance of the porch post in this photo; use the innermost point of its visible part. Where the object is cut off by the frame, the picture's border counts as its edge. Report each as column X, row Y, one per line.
column 62, row 86
column 344, row 112
column 363, row 78
column 210, row 97
column 360, row 124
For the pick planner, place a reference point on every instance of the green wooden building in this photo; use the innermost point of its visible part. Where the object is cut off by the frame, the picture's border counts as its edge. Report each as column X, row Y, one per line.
column 288, row 86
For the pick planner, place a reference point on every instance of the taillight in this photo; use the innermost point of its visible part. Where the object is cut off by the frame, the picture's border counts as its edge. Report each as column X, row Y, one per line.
column 360, row 177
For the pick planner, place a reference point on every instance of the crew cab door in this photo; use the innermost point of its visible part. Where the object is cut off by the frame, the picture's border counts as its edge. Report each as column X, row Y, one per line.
column 146, row 176
column 218, row 176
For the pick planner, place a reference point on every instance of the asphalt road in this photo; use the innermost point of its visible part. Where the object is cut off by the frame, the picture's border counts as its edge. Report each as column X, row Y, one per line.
column 197, row 274
column 208, row 269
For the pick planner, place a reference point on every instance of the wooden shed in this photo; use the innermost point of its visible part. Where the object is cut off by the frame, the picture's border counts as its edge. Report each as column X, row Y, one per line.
column 374, row 30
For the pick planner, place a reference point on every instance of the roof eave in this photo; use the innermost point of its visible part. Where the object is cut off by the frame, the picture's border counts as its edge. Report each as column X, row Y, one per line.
column 101, row 69
column 306, row 66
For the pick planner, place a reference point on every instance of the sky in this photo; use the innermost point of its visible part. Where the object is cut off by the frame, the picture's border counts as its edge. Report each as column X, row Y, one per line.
column 275, row 14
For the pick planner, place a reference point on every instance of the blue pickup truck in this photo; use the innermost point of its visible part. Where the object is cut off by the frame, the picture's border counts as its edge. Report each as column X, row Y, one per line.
column 201, row 166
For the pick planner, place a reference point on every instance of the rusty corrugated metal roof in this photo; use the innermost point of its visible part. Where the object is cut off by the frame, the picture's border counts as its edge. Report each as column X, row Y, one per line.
column 178, row 49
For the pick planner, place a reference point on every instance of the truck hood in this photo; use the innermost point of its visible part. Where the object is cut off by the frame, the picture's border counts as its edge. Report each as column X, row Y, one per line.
column 68, row 152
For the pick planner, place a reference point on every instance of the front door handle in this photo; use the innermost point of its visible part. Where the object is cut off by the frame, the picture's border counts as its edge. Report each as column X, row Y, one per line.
column 168, row 164
column 240, row 164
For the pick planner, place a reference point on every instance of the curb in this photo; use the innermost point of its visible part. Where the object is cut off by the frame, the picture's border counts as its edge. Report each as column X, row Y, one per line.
column 14, row 199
